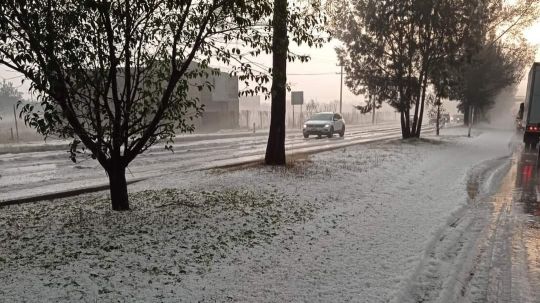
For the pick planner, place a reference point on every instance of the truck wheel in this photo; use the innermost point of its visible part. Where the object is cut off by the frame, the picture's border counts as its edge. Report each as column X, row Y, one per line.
column 331, row 133
column 306, row 136
column 342, row 132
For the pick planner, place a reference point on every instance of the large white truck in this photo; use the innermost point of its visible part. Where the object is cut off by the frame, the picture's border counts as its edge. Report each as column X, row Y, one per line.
column 530, row 121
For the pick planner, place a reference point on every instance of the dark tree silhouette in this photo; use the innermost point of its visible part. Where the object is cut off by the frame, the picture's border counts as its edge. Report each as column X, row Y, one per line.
column 114, row 75
column 275, row 150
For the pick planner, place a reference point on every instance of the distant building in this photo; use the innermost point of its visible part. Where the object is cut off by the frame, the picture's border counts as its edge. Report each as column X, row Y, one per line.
column 251, row 103
column 254, row 112
column 221, row 104
column 221, row 109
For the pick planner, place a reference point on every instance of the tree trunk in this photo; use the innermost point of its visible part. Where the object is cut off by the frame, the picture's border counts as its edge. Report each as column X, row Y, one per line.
column 407, row 124
column 403, row 126
column 471, row 120
column 466, row 116
column 118, row 187
column 438, row 117
column 417, row 107
column 275, row 150
column 418, row 129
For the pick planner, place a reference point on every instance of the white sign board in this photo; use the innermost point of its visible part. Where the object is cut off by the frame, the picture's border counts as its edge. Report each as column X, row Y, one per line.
column 297, row 98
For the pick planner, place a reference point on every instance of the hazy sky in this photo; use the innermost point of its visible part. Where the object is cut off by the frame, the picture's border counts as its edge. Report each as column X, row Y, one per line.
column 326, row 87
column 533, row 35
column 319, row 79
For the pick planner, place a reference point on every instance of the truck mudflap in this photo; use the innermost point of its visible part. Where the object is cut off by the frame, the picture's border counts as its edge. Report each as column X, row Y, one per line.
column 531, row 137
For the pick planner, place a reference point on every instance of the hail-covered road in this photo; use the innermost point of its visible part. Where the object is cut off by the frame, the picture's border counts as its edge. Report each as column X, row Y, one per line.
column 30, row 174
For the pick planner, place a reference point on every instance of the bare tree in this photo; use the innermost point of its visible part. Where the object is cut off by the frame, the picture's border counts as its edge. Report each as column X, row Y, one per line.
column 312, row 107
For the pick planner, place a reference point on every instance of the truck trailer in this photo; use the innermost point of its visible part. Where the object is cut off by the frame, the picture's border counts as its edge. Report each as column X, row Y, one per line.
column 530, row 122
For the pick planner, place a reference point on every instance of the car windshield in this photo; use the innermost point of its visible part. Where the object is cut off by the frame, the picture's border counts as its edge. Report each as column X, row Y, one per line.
column 324, row 117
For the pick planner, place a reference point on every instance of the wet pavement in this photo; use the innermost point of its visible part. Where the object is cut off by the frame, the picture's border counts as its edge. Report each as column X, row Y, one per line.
column 527, row 210
column 499, row 232
column 510, row 246
column 527, row 185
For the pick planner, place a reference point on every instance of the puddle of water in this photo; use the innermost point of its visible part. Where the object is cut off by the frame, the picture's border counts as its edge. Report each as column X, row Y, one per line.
column 526, row 185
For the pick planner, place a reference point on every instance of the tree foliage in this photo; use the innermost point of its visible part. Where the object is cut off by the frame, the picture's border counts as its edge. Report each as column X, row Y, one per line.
column 490, row 71
column 401, row 50
column 494, row 55
column 114, row 74
column 391, row 49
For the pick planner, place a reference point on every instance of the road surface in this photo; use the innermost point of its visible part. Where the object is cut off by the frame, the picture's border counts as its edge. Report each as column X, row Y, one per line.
column 490, row 250
column 31, row 174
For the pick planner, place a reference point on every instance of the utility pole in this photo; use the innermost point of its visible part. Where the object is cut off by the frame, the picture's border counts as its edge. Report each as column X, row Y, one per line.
column 301, row 114
column 471, row 119
column 372, row 101
column 16, row 127
column 293, row 125
column 438, row 116
column 374, row 110
column 341, row 91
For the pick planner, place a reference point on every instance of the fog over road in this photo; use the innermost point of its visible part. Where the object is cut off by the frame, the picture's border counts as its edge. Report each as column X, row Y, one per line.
column 36, row 173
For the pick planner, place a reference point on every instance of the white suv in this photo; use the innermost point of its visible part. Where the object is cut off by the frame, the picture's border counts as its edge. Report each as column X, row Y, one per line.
column 327, row 124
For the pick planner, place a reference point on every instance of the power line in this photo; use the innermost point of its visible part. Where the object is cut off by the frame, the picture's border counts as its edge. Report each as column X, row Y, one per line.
column 314, row 74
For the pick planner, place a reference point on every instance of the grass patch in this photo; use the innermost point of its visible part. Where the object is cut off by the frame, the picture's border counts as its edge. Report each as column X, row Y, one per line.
column 168, row 232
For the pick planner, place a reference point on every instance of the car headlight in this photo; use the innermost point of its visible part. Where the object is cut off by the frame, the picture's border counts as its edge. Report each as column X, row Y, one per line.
column 327, row 125
column 305, row 126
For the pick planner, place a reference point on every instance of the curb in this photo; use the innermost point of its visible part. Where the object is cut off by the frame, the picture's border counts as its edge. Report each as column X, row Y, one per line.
column 62, row 194
column 305, row 151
